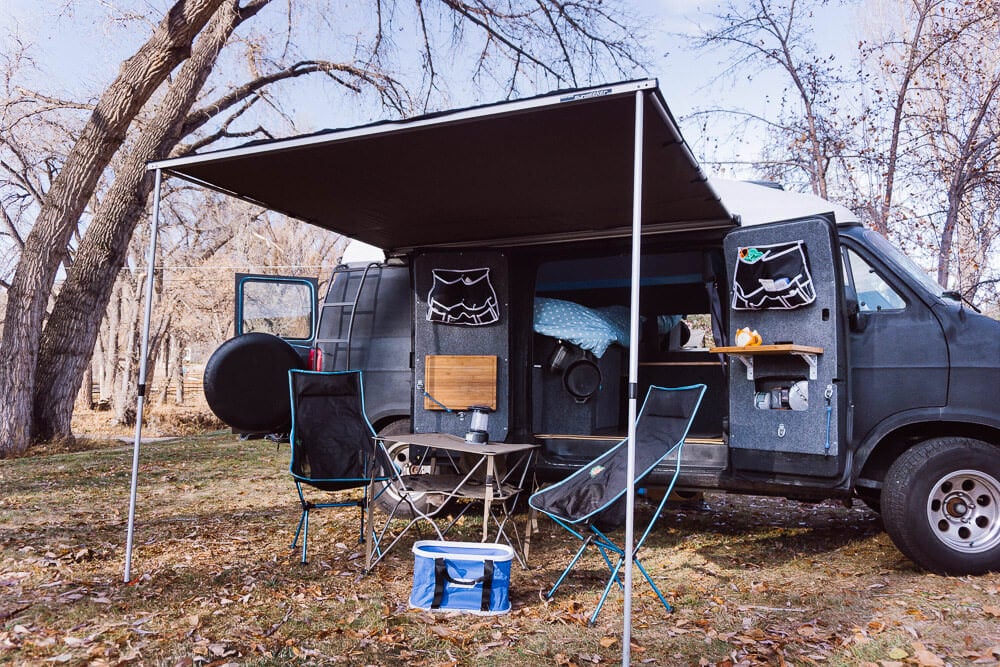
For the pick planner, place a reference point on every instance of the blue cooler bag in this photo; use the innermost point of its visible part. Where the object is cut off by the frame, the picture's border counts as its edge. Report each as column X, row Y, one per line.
column 461, row 576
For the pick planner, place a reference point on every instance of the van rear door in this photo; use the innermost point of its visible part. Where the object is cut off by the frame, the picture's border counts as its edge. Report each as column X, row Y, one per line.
column 788, row 395
column 283, row 306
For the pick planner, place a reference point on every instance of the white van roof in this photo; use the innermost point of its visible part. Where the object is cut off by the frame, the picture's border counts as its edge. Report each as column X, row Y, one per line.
column 758, row 204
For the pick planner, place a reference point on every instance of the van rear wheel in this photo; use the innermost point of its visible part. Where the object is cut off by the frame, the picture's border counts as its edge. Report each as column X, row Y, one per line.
column 941, row 505
column 387, row 497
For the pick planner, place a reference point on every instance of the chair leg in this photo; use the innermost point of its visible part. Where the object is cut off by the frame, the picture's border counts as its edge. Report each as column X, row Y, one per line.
column 298, row 531
column 607, row 561
column 569, row 567
column 530, row 530
column 369, row 537
column 607, row 589
column 361, row 509
column 305, row 534
column 655, row 588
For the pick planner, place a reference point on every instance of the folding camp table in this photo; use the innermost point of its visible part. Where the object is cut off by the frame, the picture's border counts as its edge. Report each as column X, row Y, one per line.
column 498, row 490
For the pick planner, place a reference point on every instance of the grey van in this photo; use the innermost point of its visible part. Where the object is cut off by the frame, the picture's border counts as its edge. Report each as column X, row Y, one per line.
column 507, row 239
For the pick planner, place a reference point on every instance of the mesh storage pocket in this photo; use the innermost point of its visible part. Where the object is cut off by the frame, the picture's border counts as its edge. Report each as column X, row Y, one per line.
column 464, row 296
column 772, row 277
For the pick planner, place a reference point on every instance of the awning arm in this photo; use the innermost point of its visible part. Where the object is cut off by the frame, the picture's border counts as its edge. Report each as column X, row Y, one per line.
column 633, row 374
column 154, row 224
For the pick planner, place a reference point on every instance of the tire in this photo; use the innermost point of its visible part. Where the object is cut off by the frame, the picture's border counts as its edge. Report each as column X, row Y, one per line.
column 941, row 505
column 246, row 383
column 387, row 497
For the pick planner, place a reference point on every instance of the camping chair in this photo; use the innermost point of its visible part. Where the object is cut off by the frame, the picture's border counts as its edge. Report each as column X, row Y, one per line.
column 332, row 442
column 577, row 502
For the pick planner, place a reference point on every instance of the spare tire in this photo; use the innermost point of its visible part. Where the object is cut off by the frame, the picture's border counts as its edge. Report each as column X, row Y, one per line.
column 246, row 383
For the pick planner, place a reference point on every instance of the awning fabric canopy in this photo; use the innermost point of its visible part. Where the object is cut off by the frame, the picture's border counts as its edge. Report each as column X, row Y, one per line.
column 548, row 168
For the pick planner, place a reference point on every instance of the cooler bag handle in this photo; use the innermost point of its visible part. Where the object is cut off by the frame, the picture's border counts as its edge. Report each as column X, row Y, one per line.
column 441, row 577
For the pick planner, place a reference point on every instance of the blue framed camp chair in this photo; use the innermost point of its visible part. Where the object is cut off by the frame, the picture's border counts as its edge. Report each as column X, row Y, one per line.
column 333, row 445
column 578, row 502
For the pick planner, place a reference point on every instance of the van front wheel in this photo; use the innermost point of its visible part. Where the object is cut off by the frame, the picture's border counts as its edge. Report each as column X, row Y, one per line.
column 941, row 505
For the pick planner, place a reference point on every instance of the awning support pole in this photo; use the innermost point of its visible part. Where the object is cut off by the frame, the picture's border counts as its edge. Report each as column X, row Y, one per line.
column 154, row 224
column 633, row 375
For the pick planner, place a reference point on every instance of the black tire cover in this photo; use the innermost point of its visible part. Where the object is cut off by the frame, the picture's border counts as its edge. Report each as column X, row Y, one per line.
column 582, row 379
column 246, row 383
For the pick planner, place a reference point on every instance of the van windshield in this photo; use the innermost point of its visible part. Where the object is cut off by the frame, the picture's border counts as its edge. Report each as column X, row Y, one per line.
column 897, row 257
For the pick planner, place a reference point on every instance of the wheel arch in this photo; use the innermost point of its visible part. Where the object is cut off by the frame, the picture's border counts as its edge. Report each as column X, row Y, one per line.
column 382, row 421
column 888, row 441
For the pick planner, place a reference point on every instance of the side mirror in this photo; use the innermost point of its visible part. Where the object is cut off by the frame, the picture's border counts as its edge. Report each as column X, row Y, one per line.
column 857, row 320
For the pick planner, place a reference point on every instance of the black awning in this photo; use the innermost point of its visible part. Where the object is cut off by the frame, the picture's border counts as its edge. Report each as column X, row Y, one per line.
column 553, row 167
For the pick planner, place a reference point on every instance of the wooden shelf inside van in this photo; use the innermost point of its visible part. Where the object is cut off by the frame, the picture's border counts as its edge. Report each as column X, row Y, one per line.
column 747, row 354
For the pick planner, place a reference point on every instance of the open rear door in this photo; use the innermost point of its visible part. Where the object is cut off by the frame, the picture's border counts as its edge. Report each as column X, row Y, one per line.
column 283, row 306
column 461, row 341
column 787, row 396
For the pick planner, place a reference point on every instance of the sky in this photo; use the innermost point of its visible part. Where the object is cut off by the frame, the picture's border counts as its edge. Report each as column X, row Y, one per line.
column 75, row 64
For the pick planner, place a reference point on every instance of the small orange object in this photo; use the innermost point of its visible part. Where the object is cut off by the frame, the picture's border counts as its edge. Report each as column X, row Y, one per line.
column 746, row 337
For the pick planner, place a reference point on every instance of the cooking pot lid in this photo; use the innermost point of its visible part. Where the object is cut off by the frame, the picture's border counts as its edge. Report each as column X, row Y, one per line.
column 582, row 379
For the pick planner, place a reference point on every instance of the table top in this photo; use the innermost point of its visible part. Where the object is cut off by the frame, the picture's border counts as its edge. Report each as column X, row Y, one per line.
column 456, row 443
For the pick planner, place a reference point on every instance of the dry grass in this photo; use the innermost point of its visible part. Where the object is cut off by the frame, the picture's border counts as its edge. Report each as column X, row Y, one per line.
column 753, row 580
column 160, row 420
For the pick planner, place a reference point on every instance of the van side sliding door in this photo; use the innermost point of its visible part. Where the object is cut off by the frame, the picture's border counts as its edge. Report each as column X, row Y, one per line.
column 788, row 396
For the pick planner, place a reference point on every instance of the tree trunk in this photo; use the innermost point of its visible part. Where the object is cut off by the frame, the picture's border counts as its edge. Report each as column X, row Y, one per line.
column 177, row 369
column 85, row 397
column 73, row 326
column 168, row 368
column 123, row 404
column 46, row 245
column 948, row 235
column 179, row 372
column 112, row 351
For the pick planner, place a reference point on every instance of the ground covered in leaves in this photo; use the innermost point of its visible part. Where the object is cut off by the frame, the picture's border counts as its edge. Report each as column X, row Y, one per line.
column 753, row 581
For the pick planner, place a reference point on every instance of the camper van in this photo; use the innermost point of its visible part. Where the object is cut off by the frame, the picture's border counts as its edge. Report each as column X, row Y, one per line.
column 835, row 368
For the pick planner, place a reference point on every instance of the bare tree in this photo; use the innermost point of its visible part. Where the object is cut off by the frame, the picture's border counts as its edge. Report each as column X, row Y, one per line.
column 514, row 44
column 914, row 148
column 763, row 35
column 71, row 331
column 959, row 113
column 936, row 83
column 908, row 44
column 45, row 246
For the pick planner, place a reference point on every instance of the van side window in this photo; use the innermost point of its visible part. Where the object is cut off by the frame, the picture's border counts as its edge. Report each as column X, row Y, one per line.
column 874, row 293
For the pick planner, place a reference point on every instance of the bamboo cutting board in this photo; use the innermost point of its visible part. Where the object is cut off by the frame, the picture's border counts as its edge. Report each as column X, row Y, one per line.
column 460, row 381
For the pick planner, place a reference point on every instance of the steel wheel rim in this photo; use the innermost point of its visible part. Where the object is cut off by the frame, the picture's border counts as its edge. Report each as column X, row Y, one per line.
column 399, row 456
column 963, row 511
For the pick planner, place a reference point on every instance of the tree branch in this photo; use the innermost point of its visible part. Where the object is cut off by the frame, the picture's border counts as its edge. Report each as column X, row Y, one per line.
column 383, row 83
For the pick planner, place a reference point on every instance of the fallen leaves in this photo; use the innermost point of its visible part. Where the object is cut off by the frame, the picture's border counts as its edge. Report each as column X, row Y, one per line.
column 924, row 657
column 216, row 584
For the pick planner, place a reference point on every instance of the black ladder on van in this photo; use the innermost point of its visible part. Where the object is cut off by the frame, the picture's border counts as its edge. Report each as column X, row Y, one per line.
column 354, row 283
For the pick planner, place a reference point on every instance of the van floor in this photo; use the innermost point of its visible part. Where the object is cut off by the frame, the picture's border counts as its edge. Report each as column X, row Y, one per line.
column 617, row 435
